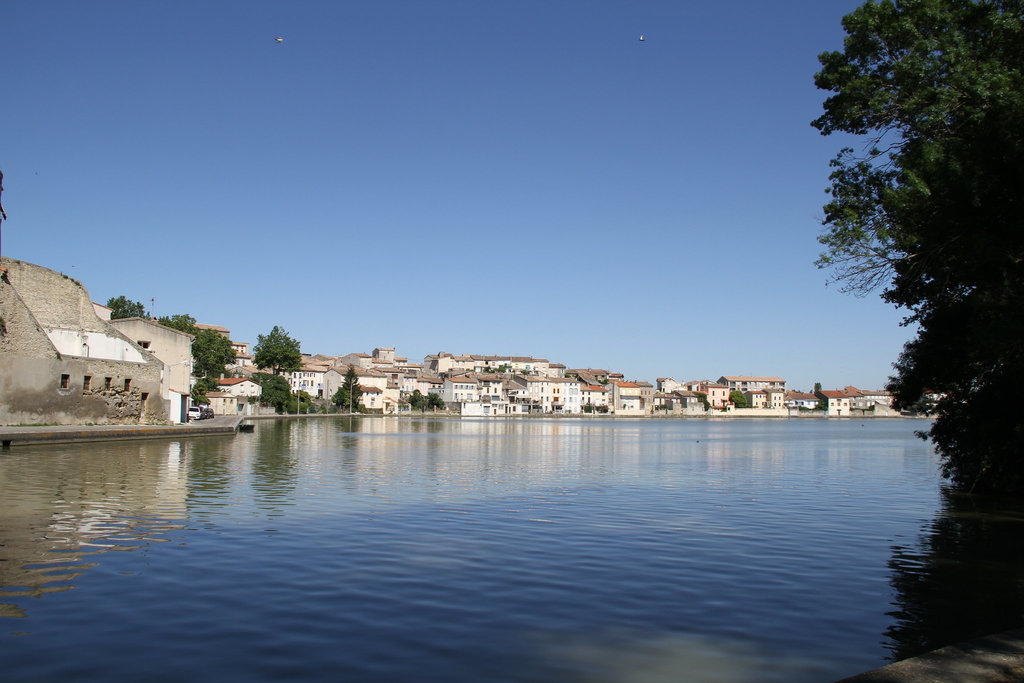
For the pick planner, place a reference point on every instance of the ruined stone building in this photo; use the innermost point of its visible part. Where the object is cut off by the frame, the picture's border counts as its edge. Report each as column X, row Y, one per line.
column 60, row 363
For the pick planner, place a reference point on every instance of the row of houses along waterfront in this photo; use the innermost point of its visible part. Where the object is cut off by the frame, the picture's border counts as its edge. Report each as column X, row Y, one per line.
column 62, row 360
column 491, row 385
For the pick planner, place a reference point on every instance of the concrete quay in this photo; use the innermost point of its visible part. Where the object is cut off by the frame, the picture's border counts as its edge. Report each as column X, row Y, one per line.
column 997, row 658
column 26, row 436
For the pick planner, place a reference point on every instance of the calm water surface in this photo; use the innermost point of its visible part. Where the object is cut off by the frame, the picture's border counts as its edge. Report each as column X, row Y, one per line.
column 523, row 550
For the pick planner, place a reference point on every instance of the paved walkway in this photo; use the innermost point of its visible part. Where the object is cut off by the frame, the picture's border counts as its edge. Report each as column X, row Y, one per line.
column 23, row 436
column 994, row 659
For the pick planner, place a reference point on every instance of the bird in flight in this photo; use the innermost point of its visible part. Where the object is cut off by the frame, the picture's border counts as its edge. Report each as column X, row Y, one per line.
column 279, row 39
column 641, row 37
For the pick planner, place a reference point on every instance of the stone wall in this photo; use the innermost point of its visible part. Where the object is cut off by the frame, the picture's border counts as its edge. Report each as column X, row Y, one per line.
column 20, row 332
column 40, row 386
column 54, row 298
column 31, row 392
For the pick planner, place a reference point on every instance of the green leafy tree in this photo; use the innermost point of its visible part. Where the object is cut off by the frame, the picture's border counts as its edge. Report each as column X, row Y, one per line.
column 817, row 387
column 123, row 307
column 352, row 388
column 202, row 386
column 277, row 351
column 737, row 398
column 417, row 401
column 181, row 322
column 301, row 403
column 340, row 398
column 348, row 394
column 211, row 351
column 274, row 390
column 434, row 401
column 703, row 398
column 932, row 210
column 199, row 394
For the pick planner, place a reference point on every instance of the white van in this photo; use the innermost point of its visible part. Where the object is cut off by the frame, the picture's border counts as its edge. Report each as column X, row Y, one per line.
column 195, row 413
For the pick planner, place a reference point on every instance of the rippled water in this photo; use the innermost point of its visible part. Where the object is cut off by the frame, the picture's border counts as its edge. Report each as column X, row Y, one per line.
column 518, row 550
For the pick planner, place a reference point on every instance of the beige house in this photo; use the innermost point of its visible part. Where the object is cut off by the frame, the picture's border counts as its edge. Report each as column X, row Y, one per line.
column 243, row 358
column 174, row 349
column 460, row 389
column 566, row 395
column 837, row 403
column 385, row 355
column 798, row 399
column 360, row 360
column 372, row 397
column 667, row 385
column 531, row 392
column 630, row 398
column 429, row 385
column 744, row 383
column 593, row 395
column 334, row 379
column 716, row 392
column 492, row 387
column 310, row 378
column 756, row 398
column 589, row 375
column 863, row 399
column 239, row 386
column 222, row 331
column 223, row 403
column 443, row 363
column 679, row 402
column 245, row 390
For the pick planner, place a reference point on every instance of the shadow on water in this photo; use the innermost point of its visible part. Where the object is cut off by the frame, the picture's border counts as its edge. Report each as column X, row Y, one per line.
column 962, row 579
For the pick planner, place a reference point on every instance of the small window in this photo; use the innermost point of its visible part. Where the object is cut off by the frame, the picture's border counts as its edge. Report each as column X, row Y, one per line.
column 127, row 384
column 106, row 382
column 87, row 383
column 144, row 396
column 144, row 344
column 65, row 380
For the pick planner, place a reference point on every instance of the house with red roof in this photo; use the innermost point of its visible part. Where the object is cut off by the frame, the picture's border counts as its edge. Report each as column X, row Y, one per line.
column 837, row 402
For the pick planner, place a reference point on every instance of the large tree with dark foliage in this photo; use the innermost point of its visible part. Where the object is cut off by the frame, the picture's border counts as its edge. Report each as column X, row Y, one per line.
column 349, row 393
column 182, row 322
column 274, row 389
column 123, row 307
column 932, row 209
column 277, row 351
column 211, row 351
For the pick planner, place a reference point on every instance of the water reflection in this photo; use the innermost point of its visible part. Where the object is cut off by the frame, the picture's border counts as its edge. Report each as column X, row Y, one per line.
column 502, row 549
column 275, row 464
column 78, row 506
column 962, row 579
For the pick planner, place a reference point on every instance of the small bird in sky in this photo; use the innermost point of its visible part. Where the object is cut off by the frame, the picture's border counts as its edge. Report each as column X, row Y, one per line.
column 279, row 39
column 641, row 37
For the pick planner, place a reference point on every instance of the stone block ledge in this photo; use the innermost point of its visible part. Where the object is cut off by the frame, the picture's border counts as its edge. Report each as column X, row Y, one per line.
column 997, row 658
column 26, row 436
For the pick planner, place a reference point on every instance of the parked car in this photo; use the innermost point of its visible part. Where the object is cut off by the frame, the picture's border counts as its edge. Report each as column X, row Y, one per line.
column 207, row 412
column 195, row 413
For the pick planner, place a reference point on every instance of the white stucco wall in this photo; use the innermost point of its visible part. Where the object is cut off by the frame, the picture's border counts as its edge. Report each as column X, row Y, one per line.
column 93, row 345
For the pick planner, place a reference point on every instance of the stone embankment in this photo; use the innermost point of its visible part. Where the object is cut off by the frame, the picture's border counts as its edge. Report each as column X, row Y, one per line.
column 24, row 436
column 993, row 659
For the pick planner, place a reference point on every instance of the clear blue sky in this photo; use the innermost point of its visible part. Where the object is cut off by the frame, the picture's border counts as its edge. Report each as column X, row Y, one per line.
column 520, row 178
